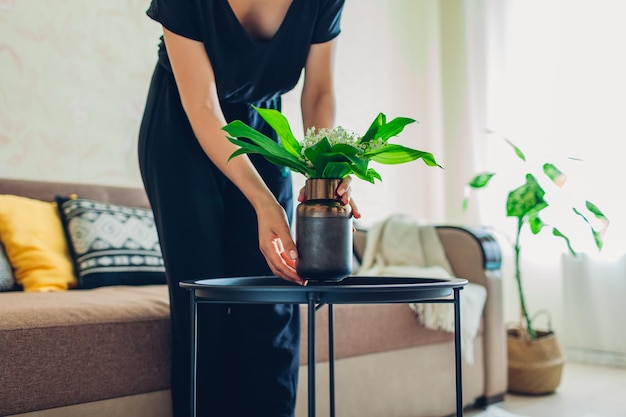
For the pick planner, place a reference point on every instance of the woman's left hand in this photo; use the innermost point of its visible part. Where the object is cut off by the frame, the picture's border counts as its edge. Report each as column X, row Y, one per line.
column 344, row 192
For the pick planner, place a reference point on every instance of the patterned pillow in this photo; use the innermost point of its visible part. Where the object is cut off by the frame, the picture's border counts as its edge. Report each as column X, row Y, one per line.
column 7, row 281
column 112, row 244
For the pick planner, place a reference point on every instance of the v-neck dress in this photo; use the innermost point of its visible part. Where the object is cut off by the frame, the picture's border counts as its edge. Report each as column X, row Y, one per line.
column 206, row 226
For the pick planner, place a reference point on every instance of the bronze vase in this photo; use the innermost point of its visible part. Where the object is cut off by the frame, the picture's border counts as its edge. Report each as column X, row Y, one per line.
column 323, row 233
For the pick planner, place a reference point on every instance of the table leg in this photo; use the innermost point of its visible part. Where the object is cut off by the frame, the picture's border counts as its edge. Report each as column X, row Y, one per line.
column 457, row 352
column 331, row 358
column 311, row 353
column 194, row 353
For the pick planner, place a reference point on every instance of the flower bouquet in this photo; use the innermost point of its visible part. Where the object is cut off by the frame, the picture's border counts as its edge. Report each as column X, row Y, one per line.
column 326, row 153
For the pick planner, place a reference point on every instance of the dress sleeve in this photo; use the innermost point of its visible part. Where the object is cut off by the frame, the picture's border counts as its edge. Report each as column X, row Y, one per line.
column 178, row 16
column 328, row 22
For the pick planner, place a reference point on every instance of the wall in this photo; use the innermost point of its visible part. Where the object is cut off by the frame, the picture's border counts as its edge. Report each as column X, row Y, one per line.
column 72, row 90
column 75, row 75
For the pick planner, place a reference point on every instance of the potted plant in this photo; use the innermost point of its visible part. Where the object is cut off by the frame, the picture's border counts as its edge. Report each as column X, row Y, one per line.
column 325, row 157
column 535, row 359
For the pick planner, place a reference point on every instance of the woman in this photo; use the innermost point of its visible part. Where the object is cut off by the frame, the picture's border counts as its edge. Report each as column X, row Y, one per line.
column 217, row 218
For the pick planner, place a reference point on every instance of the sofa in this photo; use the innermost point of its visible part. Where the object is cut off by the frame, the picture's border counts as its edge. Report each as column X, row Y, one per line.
column 105, row 351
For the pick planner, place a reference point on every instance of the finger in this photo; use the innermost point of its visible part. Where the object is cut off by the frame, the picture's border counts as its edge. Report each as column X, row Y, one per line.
column 288, row 260
column 288, row 273
column 281, row 269
column 284, row 265
column 355, row 209
column 344, row 186
column 301, row 195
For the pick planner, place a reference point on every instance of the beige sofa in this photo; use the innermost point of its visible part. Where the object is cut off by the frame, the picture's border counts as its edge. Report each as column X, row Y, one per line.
column 105, row 351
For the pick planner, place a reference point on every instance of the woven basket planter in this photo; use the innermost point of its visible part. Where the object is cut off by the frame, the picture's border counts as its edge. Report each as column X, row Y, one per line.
column 535, row 366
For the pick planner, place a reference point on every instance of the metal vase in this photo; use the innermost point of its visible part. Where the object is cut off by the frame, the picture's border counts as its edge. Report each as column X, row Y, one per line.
column 323, row 233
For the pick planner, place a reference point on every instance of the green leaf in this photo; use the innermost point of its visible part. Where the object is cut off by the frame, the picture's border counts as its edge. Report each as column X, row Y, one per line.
column 526, row 199
column 598, row 235
column 336, row 170
column 280, row 124
column 285, row 159
column 393, row 154
column 315, row 154
column 554, row 174
column 517, row 150
column 481, row 180
column 535, row 223
column 239, row 129
column 371, row 133
column 596, row 212
column 358, row 164
column 393, row 128
column 266, row 146
column 370, row 175
column 345, row 149
column 557, row 233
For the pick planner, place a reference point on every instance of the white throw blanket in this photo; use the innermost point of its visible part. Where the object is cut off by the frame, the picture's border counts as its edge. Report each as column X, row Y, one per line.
column 400, row 246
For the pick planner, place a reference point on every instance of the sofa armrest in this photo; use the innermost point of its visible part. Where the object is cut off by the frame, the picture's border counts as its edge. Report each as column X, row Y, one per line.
column 475, row 255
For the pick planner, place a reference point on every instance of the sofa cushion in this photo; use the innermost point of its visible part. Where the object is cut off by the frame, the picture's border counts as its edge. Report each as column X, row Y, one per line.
column 7, row 281
column 35, row 244
column 77, row 346
column 112, row 244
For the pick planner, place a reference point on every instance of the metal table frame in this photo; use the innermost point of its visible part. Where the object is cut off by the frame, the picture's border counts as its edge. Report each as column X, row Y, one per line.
column 352, row 290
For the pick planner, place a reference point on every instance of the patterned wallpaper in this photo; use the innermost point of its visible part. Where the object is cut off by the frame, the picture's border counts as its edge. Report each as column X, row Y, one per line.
column 73, row 80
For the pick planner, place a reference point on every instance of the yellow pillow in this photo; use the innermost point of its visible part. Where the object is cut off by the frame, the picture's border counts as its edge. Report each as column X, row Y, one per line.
column 35, row 244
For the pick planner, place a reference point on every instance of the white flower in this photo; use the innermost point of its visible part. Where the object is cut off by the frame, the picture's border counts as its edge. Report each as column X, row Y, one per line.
column 334, row 136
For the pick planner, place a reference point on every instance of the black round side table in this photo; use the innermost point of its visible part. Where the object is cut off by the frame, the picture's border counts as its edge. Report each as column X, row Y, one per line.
column 352, row 290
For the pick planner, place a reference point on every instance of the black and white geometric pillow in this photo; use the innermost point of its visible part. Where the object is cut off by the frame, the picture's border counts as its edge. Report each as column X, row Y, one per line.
column 112, row 244
column 7, row 280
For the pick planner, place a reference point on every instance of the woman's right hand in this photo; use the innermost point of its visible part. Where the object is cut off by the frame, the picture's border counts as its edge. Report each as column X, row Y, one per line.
column 276, row 243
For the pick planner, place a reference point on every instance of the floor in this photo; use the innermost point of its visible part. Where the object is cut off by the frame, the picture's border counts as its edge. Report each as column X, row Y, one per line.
column 585, row 391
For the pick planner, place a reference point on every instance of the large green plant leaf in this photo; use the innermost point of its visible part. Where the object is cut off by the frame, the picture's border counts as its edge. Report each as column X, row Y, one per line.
column 371, row 175
column 372, row 131
column 316, row 154
column 346, row 149
column 280, row 124
column 535, row 222
column 286, row 160
column 397, row 154
column 526, row 199
column 337, row 170
column 393, row 128
column 380, row 129
column 358, row 164
column 264, row 145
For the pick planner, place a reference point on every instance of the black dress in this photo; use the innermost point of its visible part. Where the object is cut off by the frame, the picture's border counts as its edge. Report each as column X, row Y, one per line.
column 249, row 355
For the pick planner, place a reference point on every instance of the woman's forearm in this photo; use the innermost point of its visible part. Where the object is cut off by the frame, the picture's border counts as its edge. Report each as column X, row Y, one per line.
column 318, row 95
column 208, row 130
column 318, row 110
